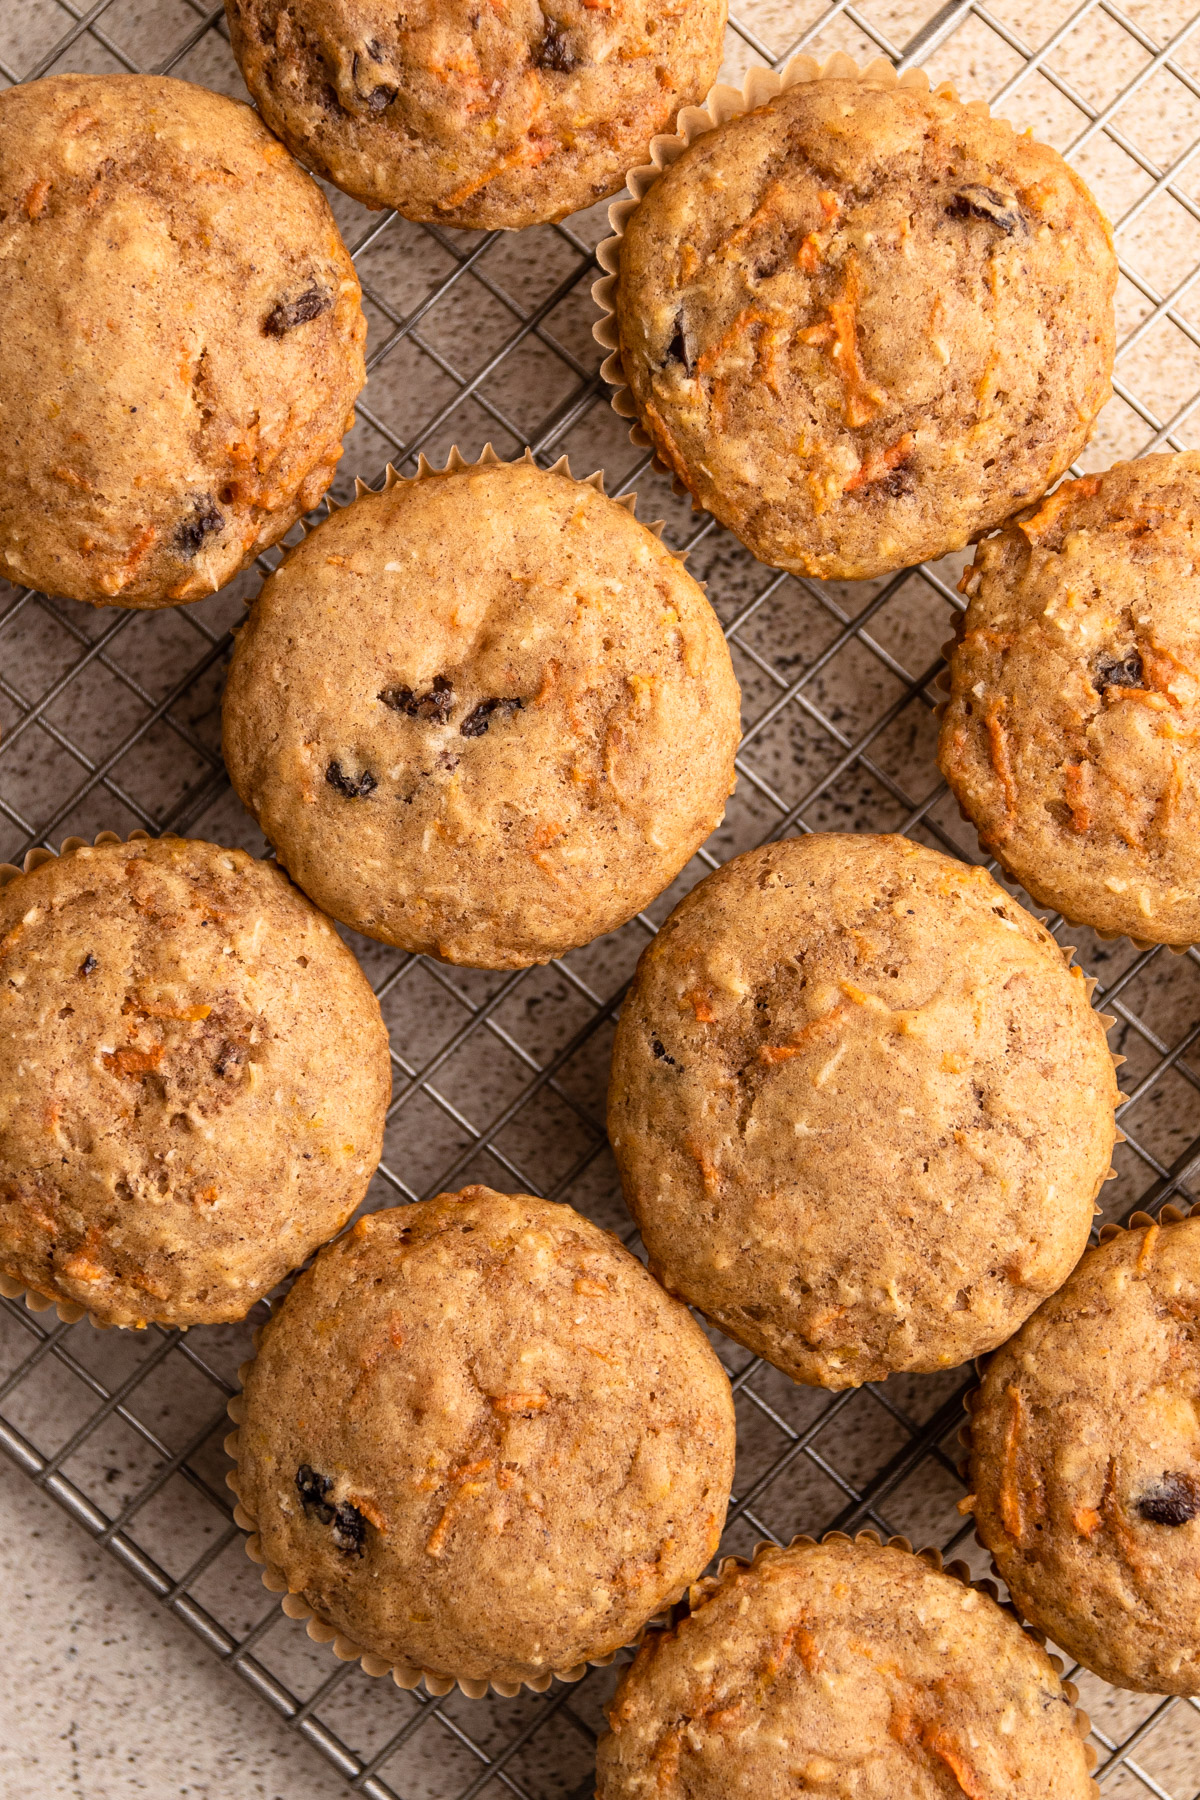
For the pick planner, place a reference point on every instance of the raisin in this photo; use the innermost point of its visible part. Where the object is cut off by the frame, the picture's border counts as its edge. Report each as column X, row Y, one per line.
column 381, row 97
column 985, row 203
column 437, row 704
column 345, row 784
column 349, row 1526
column 477, row 721
column 285, row 315
column 1124, row 671
column 554, row 52
column 229, row 1056
column 88, row 964
column 896, row 482
column 1172, row 1501
column 205, row 519
column 659, row 1051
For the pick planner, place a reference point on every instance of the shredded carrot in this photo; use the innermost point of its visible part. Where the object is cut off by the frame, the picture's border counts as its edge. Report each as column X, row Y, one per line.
column 1012, row 1512
column 700, row 1001
column 584, row 1284
column 807, row 1035
column 1075, row 775
column 1060, row 499
column 1146, row 1253
column 947, row 1751
column 36, row 198
column 664, row 441
column 766, row 211
column 138, row 550
column 525, row 156
column 810, row 254
column 132, row 1062
column 878, row 463
column 998, row 749
column 745, row 321
column 666, row 1759
column 1143, row 696
column 519, row 1403
column 369, row 1510
column 152, row 1009
column 61, row 473
column 839, row 335
column 1086, row 1520
column 709, row 1173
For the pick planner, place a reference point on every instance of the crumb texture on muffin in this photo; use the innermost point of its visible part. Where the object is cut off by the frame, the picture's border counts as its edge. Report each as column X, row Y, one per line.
column 1070, row 739
column 472, row 115
column 485, row 715
column 182, row 341
column 193, row 1080
column 482, row 1441
column 860, row 1106
column 1085, row 1461
column 842, row 1669
column 864, row 324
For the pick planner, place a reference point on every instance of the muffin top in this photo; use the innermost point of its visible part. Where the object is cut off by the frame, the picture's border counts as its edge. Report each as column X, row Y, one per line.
column 182, row 339
column 842, row 1669
column 1070, row 738
column 1085, row 1461
column 860, row 1106
column 472, row 115
column 482, row 1441
column 484, row 714
column 863, row 324
column 193, row 1079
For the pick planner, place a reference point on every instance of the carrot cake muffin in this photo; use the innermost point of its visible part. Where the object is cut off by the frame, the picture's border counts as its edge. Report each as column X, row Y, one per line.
column 1070, row 740
column 842, row 1669
column 193, row 1079
column 182, row 343
column 860, row 1106
column 481, row 1441
column 462, row 114
column 865, row 324
column 484, row 714
column 1085, row 1461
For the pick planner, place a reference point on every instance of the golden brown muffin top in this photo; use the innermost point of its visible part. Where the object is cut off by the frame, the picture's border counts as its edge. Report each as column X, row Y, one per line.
column 860, row 1106
column 1070, row 737
column 1085, row 1461
column 475, row 115
column 193, row 1079
column 485, row 714
column 482, row 1441
column 842, row 1669
column 863, row 324
column 182, row 343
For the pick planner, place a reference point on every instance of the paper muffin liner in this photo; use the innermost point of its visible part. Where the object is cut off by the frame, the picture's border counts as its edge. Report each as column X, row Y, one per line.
column 960, row 1571
column 1137, row 1221
column 405, row 1675
column 760, row 85
column 11, row 1286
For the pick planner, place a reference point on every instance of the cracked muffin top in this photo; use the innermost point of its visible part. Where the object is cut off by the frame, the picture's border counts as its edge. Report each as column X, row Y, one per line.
column 193, row 1079
column 860, row 1106
column 485, row 715
column 182, row 340
column 477, row 115
column 865, row 324
column 1070, row 737
column 1085, row 1461
column 481, row 1441
column 842, row 1670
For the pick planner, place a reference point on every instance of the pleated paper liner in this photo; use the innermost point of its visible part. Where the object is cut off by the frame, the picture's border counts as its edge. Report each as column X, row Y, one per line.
column 723, row 103
column 11, row 1286
column 405, row 1675
column 703, row 1589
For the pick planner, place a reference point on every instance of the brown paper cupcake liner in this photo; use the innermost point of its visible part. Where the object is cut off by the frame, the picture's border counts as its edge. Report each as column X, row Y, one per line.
column 11, row 1286
column 405, row 1675
column 722, row 103
column 763, row 1552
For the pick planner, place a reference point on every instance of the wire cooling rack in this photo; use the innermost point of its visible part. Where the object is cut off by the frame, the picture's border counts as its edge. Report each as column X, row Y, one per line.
column 110, row 720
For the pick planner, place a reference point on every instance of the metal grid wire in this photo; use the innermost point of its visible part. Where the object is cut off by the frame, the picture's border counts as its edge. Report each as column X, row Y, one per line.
column 109, row 719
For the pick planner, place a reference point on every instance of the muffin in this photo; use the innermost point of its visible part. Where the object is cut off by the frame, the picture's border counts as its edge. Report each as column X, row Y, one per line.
column 1070, row 737
column 843, row 1669
column 182, row 345
column 484, row 714
column 863, row 323
column 475, row 115
column 481, row 1442
column 860, row 1106
column 1085, row 1461
column 193, row 1080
